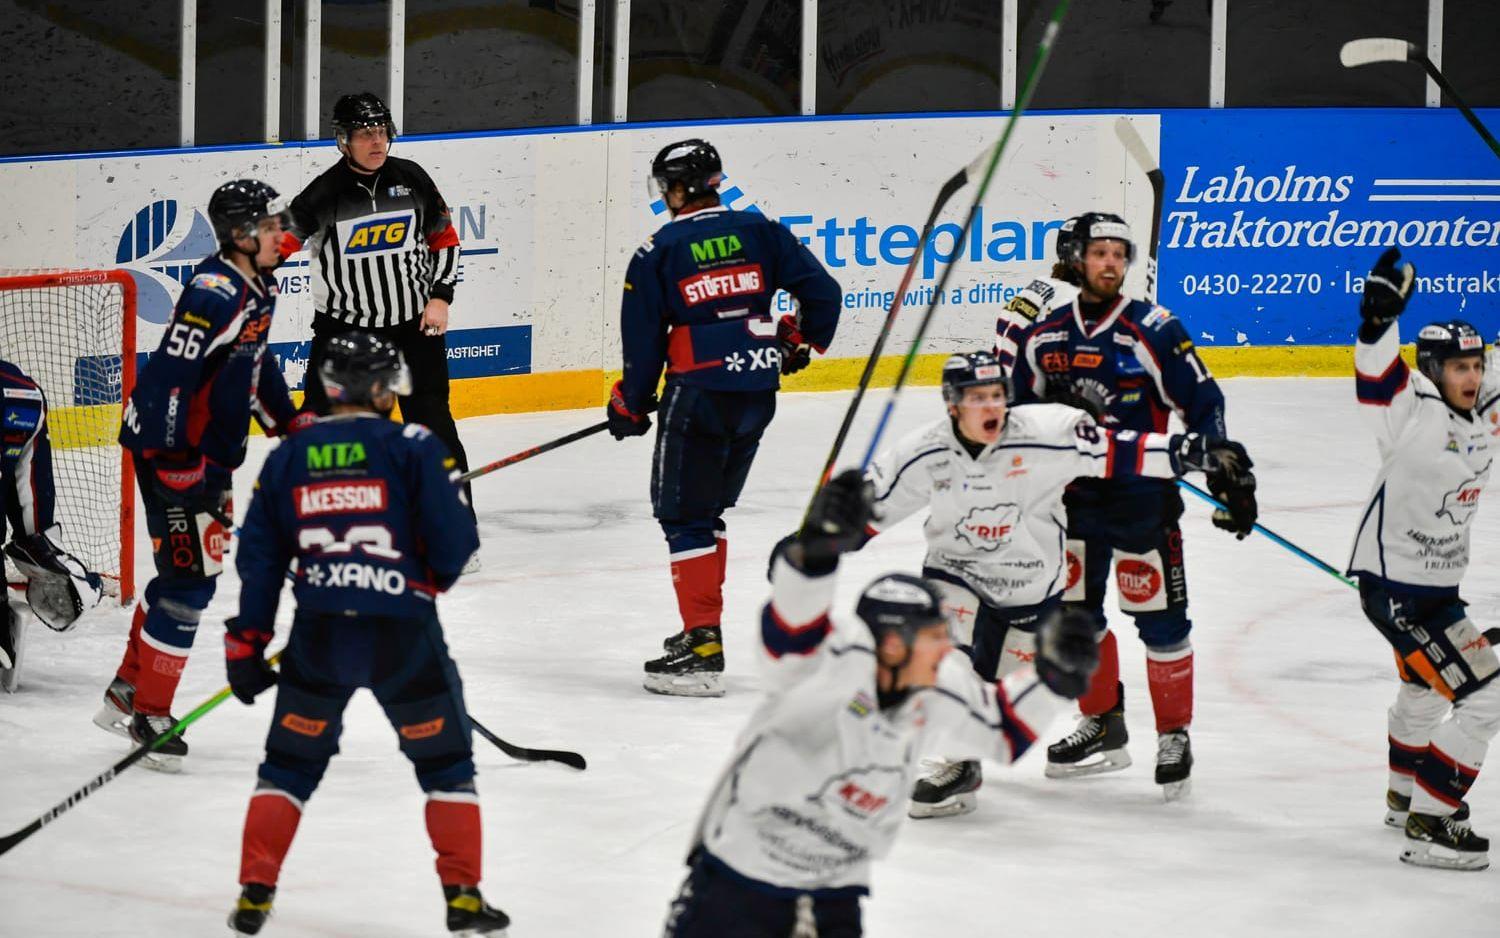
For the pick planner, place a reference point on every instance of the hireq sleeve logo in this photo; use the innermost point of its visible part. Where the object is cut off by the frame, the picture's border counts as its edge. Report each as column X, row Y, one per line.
column 722, row 283
column 366, row 496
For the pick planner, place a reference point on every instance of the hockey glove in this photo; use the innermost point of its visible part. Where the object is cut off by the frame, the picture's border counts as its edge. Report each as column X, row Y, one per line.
column 300, row 422
column 1233, row 484
column 796, row 353
column 623, row 421
column 245, row 660
column 1387, row 289
column 1062, row 392
column 59, row 588
column 179, row 479
column 1033, row 300
column 835, row 524
column 1067, row 653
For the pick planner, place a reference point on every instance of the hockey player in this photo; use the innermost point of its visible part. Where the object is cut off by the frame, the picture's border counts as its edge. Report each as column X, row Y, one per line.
column 367, row 513
column 817, row 786
column 992, row 478
column 186, row 425
column 698, row 300
column 58, row 587
column 1435, row 432
column 1135, row 365
column 384, row 259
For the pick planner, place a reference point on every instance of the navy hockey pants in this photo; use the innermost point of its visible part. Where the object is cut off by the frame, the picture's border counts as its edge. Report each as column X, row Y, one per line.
column 705, row 443
column 404, row 662
column 716, row 902
column 1437, row 645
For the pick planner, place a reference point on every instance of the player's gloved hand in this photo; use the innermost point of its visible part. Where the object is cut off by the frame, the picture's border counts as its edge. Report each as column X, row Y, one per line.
column 1033, row 300
column 179, row 478
column 1067, row 653
column 303, row 420
column 245, row 660
column 796, row 352
column 1063, row 392
column 835, row 524
column 1233, row 484
column 623, row 421
column 1387, row 288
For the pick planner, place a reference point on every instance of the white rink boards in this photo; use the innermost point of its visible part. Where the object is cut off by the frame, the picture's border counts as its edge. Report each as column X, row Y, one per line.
column 1281, row 836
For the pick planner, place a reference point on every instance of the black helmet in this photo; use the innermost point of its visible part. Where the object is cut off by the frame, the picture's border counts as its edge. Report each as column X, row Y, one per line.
column 900, row 603
column 694, row 163
column 354, row 111
column 1065, row 237
column 1095, row 226
column 358, row 365
column 969, row 370
column 1440, row 341
column 237, row 207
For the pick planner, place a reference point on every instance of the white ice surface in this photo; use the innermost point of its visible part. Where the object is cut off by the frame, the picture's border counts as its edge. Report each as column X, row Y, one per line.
column 1282, row 834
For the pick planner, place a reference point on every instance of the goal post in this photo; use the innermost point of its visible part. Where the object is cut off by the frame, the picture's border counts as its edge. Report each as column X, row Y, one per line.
column 73, row 332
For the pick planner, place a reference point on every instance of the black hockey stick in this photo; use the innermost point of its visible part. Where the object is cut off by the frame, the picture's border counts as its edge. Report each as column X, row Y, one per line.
column 1357, row 52
column 1038, row 65
column 572, row 759
column 109, row 774
column 1149, row 165
column 525, row 454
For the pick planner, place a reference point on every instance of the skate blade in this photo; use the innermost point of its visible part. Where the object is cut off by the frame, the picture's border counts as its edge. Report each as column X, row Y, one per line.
column 476, row 933
column 170, row 765
column 111, row 720
column 948, row 807
column 1397, row 820
column 1175, row 791
column 685, row 685
column 10, row 679
column 1436, row 857
column 1110, row 760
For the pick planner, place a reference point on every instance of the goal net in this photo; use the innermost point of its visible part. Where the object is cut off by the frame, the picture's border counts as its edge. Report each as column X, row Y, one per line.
column 73, row 333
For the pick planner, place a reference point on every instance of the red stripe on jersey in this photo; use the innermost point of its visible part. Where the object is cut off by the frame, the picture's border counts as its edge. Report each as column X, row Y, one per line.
column 447, row 238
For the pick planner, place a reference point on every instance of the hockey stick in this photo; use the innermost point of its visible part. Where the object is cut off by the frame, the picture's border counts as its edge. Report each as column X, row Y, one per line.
column 572, row 759
column 109, row 774
column 1305, row 555
column 1038, row 65
column 1149, row 165
column 1357, row 52
column 525, row 454
column 957, row 182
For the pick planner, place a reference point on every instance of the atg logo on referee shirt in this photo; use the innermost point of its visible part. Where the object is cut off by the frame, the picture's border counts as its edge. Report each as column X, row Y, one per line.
column 375, row 234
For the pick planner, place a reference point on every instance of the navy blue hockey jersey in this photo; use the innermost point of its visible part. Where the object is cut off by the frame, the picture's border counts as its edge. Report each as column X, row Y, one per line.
column 698, row 299
column 1137, row 360
column 25, row 455
column 369, row 511
column 211, row 373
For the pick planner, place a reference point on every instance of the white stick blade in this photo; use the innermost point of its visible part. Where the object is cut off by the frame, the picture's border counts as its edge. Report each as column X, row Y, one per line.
column 1364, row 51
column 1134, row 145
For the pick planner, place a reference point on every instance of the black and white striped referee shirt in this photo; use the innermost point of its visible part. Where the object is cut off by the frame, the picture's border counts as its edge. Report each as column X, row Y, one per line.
column 381, row 244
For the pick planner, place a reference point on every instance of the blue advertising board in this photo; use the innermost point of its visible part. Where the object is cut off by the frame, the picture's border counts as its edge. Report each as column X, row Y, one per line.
column 1272, row 218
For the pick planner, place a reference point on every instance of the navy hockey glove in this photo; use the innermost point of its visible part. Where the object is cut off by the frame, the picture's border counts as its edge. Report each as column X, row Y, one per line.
column 836, row 523
column 796, row 353
column 1387, row 288
column 1067, row 653
column 623, row 421
column 245, row 660
column 179, row 478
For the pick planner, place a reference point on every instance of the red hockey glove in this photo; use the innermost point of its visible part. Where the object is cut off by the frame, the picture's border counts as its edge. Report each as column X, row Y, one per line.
column 796, row 353
column 245, row 660
column 623, row 421
column 179, row 478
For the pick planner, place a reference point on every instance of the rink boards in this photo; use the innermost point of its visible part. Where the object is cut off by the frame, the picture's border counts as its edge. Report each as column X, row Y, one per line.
column 1270, row 218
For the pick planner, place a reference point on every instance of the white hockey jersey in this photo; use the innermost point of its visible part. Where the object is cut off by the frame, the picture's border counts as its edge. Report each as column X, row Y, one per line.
column 820, row 777
column 1434, row 464
column 997, row 521
column 1035, row 301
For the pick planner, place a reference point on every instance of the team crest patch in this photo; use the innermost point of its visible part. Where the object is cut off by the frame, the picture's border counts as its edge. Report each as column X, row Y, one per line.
column 989, row 528
column 1156, row 317
column 218, row 283
column 1460, row 504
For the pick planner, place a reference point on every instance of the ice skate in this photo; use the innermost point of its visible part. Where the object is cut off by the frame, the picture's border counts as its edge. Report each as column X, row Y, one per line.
column 948, row 791
column 167, row 757
column 118, row 707
column 1439, row 842
column 12, row 634
column 1397, row 805
column 252, row 909
column 693, row 665
column 1095, row 747
column 1174, row 764
column 469, row 914
column 472, row 565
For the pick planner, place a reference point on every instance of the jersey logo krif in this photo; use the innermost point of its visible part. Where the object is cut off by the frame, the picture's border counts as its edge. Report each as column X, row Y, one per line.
column 1460, row 504
column 741, row 280
column 371, row 235
column 990, row 528
column 340, row 498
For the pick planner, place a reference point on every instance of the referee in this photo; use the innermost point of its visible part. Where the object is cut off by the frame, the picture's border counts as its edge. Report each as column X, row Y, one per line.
column 385, row 260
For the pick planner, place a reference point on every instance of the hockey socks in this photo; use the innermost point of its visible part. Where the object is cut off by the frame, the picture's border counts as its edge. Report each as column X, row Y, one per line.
column 130, row 667
column 697, row 576
column 1170, row 675
column 1103, row 694
column 270, row 824
column 453, row 824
